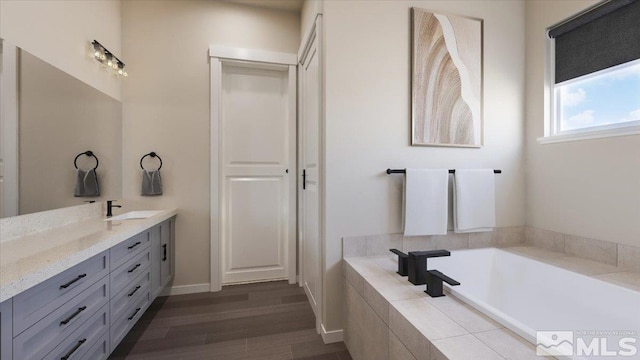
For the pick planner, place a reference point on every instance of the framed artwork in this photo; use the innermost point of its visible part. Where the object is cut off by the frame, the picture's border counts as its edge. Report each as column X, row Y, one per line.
column 446, row 80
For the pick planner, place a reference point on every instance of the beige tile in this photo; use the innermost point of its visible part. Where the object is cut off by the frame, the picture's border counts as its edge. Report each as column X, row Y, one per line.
column 376, row 340
column 462, row 348
column 452, row 241
column 418, row 243
column 354, row 322
column 367, row 268
column 592, row 249
column 483, row 239
column 545, row 239
column 627, row 279
column 430, row 321
column 397, row 350
column 583, row 266
column 534, row 252
column 390, row 265
column 464, row 315
column 629, row 257
column 510, row 236
column 508, row 344
column 409, row 335
column 353, row 277
column 389, row 287
column 380, row 244
column 377, row 302
column 355, row 246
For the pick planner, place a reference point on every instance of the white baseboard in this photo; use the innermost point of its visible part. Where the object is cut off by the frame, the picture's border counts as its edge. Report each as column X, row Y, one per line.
column 185, row 289
column 332, row 336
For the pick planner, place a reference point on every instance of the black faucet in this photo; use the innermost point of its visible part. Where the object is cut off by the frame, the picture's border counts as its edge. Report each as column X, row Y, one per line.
column 110, row 207
column 434, row 283
column 403, row 265
column 418, row 264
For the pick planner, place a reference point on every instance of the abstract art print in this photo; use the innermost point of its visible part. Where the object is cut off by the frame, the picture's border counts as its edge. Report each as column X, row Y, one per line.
column 446, row 89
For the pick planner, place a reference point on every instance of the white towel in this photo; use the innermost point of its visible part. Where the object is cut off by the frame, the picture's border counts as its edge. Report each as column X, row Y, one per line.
column 426, row 202
column 474, row 200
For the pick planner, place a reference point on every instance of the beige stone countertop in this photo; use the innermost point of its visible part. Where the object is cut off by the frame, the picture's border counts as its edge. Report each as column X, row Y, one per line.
column 32, row 259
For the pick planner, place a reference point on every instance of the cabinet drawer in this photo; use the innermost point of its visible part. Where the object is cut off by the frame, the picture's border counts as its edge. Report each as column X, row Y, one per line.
column 124, row 275
column 47, row 333
column 127, row 249
column 130, row 294
column 100, row 350
column 131, row 315
column 32, row 305
column 80, row 342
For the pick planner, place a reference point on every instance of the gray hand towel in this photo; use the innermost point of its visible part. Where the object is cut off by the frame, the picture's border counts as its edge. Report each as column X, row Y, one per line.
column 151, row 183
column 86, row 183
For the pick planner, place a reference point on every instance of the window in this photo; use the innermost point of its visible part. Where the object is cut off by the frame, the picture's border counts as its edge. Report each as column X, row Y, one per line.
column 594, row 73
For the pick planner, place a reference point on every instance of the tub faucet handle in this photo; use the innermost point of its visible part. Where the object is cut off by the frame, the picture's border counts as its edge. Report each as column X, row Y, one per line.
column 418, row 264
column 403, row 263
column 434, row 283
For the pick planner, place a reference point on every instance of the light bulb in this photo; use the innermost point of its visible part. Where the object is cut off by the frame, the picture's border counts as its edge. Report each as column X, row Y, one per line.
column 120, row 72
column 115, row 65
column 97, row 54
column 124, row 73
column 109, row 63
column 103, row 57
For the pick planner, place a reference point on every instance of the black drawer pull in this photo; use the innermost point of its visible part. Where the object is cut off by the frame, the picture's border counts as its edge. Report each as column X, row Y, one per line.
column 134, row 268
column 134, row 291
column 164, row 252
column 72, row 281
column 76, row 313
column 134, row 245
column 134, row 314
column 66, row 357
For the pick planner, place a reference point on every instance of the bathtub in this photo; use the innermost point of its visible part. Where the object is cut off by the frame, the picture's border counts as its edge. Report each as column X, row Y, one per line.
column 526, row 296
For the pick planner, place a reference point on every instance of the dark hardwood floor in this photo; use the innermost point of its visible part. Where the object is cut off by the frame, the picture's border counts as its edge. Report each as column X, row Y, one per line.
column 269, row 321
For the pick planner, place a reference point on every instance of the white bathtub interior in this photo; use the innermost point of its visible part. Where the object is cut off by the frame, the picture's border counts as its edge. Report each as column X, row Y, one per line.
column 526, row 295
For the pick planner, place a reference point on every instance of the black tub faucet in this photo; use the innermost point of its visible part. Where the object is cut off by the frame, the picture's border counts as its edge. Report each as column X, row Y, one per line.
column 418, row 264
column 434, row 283
column 403, row 265
column 110, row 207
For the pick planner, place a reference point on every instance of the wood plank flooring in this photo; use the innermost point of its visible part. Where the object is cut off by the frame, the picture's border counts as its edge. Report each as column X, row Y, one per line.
column 269, row 321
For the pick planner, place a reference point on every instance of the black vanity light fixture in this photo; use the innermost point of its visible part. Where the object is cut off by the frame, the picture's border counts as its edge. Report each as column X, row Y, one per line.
column 107, row 59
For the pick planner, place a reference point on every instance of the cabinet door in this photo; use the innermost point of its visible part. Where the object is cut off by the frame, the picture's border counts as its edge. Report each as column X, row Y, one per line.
column 6, row 331
column 167, row 235
column 156, row 258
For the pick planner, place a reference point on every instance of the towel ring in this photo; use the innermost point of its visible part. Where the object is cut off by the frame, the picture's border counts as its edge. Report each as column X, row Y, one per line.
column 153, row 155
column 86, row 153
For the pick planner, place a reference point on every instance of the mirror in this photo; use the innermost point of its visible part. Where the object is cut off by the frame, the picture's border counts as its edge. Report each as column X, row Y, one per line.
column 60, row 117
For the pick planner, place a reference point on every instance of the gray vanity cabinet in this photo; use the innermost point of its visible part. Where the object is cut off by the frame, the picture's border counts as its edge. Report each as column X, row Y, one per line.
column 6, row 329
column 84, row 312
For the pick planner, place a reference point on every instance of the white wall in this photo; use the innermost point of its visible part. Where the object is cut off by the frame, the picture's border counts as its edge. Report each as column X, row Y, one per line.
column 60, row 31
column 368, row 119
column 166, row 104
column 588, row 188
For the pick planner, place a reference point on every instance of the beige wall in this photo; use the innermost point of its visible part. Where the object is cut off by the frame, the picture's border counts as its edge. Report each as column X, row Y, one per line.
column 166, row 104
column 588, row 188
column 60, row 31
column 368, row 119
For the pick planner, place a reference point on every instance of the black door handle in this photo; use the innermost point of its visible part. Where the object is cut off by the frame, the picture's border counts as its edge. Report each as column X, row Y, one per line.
column 134, row 268
column 73, row 349
column 134, row 314
column 72, row 281
column 76, row 313
column 134, row 245
column 164, row 252
column 304, row 179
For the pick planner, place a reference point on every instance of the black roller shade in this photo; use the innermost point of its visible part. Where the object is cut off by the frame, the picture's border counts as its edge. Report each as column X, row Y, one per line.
column 606, row 36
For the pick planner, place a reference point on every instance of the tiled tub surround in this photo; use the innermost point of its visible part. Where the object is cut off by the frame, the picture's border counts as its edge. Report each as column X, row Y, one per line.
column 623, row 256
column 389, row 318
column 373, row 245
column 31, row 259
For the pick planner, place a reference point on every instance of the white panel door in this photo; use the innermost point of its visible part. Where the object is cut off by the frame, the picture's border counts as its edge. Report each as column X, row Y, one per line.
column 258, row 137
column 310, row 247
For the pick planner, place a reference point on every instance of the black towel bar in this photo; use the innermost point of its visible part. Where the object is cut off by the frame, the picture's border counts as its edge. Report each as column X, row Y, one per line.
column 86, row 153
column 153, row 155
column 451, row 171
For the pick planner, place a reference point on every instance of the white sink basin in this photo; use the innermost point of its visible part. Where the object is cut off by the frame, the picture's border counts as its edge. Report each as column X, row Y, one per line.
column 133, row 215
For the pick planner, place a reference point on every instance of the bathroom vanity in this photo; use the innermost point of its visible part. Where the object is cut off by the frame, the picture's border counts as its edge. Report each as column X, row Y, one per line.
column 75, row 291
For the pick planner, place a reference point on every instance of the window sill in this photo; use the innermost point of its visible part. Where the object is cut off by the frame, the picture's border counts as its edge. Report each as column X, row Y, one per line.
column 588, row 135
